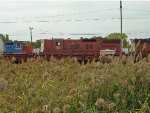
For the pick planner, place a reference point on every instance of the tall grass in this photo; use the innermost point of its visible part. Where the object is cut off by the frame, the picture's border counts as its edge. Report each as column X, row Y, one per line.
column 65, row 86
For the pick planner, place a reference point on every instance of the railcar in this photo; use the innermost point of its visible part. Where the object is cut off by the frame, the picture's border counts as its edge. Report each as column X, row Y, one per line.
column 17, row 50
column 82, row 49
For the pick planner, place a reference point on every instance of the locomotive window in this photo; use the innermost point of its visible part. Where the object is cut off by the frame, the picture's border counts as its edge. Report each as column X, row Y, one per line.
column 9, row 44
column 23, row 44
column 18, row 45
column 58, row 43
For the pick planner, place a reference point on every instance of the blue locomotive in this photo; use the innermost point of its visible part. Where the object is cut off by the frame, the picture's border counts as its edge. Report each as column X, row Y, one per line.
column 13, row 47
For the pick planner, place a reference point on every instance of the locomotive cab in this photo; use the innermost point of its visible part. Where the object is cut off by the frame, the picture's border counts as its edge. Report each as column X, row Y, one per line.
column 58, row 44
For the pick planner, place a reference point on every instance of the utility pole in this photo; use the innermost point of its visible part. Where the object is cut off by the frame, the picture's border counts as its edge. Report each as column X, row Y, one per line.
column 31, row 33
column 121, row 24
column 121, row 15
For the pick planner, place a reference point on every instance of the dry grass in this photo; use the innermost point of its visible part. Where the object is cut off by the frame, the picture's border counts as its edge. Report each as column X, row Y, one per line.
column 65, row 86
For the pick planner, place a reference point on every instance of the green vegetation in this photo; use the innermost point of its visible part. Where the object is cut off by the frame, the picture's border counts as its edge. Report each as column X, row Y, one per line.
column 36, row 44
column 115, row 36
column 65, row 86
column 5, row 37
column 119, row 36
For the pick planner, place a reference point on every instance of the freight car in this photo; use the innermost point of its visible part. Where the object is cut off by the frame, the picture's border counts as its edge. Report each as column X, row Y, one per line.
column 82, row 49
column 140, row 47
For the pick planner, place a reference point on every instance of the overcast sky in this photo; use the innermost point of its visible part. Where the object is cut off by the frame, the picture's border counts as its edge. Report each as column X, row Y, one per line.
column 73, row 19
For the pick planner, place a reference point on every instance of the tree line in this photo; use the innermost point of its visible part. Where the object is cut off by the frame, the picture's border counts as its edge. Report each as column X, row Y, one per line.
column 37, row 44
column 122, row 36
column 5, row 38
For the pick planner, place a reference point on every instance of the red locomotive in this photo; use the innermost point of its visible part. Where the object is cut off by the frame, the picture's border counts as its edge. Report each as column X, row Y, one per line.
column 82, row 49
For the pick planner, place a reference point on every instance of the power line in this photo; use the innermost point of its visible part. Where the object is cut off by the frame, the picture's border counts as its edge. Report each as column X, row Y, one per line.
column 133, row 9
column 72, row 14
column 77, row 33
column 62, row 15
column 76, row 20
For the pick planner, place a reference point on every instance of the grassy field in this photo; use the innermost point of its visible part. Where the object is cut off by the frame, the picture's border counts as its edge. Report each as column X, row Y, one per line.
column 65, row 86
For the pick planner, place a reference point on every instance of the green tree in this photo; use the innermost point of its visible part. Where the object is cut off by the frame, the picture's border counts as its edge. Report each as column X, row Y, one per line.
column 28, row 43
column 5, row 37
column 36, row 44
column 118, row 36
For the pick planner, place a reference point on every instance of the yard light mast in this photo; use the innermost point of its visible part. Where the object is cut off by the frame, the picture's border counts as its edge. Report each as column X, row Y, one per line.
column 121, row 25
column 31, row 33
